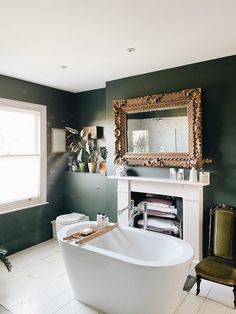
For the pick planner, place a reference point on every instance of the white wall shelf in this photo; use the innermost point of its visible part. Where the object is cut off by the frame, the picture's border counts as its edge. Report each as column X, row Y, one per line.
column 159, row 180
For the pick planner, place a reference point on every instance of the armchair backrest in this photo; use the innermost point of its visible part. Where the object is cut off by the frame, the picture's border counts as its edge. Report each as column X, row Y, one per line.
column 222, row 231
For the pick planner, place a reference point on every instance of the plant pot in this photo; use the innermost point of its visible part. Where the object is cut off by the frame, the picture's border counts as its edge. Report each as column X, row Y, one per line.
column 103, row 167
column 82, row 166
column 92, row 166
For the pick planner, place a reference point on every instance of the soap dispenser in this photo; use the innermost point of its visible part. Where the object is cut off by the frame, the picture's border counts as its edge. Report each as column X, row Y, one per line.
column 99, row 220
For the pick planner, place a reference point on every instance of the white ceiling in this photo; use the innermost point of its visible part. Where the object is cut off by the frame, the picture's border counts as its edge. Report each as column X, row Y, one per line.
column 91, row 38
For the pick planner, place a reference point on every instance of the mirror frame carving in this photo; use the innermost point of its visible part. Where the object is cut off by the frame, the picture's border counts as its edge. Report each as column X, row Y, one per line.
column 189, row 97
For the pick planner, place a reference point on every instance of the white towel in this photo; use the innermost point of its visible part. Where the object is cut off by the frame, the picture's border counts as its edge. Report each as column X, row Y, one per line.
column 156, row 213
column 162, row 224
column 152, row 206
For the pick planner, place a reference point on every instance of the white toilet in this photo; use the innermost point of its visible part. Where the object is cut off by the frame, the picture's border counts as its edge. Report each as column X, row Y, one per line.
column 68, row 219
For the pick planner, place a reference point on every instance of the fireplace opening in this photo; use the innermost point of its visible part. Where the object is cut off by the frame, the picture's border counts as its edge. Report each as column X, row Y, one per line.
column 165, row 213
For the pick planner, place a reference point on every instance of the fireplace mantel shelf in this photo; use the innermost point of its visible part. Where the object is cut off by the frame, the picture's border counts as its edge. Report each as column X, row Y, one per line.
column 157, row 180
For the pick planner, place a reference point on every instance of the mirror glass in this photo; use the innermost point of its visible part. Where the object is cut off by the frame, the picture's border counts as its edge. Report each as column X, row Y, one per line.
column 158, row 131
column 161, row 130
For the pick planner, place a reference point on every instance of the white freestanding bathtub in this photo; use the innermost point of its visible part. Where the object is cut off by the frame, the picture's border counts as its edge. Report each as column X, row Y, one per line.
column 127, row 270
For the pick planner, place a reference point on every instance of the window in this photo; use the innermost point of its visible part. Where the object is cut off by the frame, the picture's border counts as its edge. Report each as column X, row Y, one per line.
column 22, row 155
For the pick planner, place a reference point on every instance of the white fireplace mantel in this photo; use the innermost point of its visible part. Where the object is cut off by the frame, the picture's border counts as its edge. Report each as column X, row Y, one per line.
column 190, row 192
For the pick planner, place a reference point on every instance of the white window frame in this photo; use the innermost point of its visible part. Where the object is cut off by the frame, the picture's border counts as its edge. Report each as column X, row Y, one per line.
column 42, row 110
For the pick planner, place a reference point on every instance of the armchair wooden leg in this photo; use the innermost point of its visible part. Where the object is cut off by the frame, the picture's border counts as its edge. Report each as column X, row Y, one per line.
column 234, row 290
column 198, row 284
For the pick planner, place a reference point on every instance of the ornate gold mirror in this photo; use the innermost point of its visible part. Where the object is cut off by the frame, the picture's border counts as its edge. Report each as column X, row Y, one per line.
column 159, row 130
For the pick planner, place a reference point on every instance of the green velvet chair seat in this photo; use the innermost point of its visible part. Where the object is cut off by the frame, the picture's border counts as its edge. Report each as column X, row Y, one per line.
column 220, row 265
column 217, row 269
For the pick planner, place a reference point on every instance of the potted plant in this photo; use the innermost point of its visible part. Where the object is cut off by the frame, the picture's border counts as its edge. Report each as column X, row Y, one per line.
column 88, row 151
column 82, row 157
column 85, row 148
column 92, row 156
column 71, row 139
column 78, row 146
column 103, row 164
column 4, row 259
column 72, row 145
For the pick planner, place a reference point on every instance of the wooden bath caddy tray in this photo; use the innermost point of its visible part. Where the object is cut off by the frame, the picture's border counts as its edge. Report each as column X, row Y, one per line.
column 96, row 233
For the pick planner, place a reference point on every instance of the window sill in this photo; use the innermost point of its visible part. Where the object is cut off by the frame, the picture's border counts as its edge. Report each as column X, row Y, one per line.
column 9, row 209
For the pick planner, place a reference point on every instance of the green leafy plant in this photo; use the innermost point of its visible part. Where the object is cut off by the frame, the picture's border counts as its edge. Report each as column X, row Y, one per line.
column 71, row 139
column 88, row 147
column 84, row 146
column 92, row 150
column 77, row 144
column 4, row 259
column 82, row 152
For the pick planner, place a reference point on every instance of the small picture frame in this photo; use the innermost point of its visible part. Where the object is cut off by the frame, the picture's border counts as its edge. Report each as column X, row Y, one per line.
column 95, row 131
column 58, row 140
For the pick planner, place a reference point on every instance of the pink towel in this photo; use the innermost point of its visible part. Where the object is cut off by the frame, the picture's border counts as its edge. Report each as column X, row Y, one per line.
column 155, row 199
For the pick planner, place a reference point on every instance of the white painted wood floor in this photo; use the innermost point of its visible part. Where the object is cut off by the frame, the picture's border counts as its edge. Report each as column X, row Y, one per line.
column 38, row 284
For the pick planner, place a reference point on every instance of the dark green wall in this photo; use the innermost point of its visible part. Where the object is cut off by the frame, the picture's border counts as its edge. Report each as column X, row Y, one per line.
column 216, row 78
column 24, row 228
column 86, row 193
column 89, row 109
column 218, row 83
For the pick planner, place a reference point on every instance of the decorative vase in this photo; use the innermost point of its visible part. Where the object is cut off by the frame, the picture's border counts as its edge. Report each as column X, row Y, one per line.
column 103, row 167
column 193, row 175
column 82, row 167
column 92, row 166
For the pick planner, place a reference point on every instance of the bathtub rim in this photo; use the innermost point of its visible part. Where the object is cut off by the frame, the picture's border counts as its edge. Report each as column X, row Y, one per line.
column 187, row 254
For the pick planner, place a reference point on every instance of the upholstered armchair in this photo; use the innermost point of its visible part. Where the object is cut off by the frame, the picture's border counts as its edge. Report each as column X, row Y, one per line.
column 220, row 265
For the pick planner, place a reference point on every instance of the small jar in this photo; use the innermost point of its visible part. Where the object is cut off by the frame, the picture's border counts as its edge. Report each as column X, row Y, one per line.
column 99, row 220
column 103, row 220
column 74, row 167
column 106, row 221
column 173, row 174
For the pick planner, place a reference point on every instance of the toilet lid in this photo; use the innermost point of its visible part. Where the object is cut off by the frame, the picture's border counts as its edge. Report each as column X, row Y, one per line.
column 69, row 218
